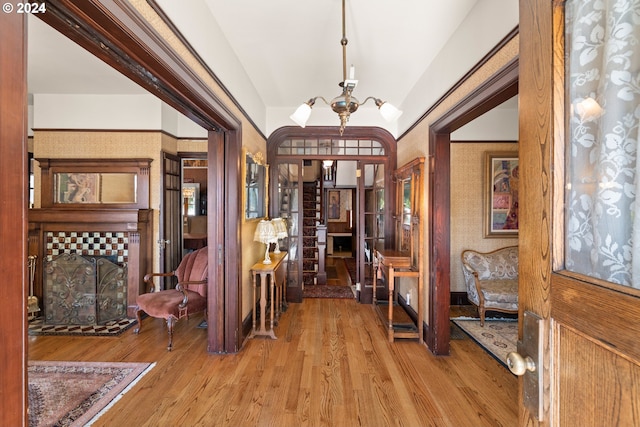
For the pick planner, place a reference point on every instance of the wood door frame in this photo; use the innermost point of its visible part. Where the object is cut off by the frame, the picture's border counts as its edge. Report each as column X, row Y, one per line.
column 136, row 50
column 13, row 222
column 163, row 221
column 500, row 87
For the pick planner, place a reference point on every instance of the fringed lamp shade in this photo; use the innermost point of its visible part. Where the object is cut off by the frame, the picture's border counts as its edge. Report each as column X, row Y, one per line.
column 280, row 226
column 265, row 233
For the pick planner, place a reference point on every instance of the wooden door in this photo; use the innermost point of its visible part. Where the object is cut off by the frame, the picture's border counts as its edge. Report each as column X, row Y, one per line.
column 372, row 225
column 170, row 241
column 590, row 350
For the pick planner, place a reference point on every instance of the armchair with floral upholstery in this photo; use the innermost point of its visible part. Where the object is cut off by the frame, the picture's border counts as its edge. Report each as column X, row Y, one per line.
column 491, row 279
column 189, row 296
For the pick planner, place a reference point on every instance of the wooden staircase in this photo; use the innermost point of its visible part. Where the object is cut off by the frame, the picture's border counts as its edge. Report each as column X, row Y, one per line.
column 311, row 218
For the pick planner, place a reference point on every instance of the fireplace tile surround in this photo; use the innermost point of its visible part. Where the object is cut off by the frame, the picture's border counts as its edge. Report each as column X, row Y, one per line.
column 88, row 243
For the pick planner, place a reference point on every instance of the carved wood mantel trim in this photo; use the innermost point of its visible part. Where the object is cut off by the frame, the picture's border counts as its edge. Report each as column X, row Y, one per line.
column 138, row 167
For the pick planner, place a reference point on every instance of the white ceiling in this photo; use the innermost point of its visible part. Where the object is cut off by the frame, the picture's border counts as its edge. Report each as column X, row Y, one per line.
column 273, row 55
column 291, row 49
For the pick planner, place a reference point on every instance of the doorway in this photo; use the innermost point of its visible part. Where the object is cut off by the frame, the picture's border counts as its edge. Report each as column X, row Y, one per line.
column 194, row 202
column 500, row 87
column 165, row 77
column 347, row 172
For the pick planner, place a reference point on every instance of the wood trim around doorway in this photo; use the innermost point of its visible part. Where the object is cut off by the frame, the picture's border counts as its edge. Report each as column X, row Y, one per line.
column 116, row 33
column 500, row 87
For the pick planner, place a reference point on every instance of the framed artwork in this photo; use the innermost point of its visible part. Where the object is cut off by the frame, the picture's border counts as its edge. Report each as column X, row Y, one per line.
column 334, row 205
column 77, row 187
column 501, row 194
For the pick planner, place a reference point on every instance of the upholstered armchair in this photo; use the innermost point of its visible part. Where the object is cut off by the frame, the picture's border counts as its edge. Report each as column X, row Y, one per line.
column 189, row 296
column 491, row 279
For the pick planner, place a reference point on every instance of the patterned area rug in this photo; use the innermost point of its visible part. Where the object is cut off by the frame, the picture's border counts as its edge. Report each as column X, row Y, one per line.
column 497, row 337
column 37, row 327
column 327, row 291
column 77, row 393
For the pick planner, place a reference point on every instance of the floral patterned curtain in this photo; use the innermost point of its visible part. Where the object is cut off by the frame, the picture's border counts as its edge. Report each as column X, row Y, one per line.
column 603, row 77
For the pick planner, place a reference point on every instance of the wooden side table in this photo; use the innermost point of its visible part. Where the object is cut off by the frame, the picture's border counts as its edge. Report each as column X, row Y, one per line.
column 394, row 264
column 273, row 276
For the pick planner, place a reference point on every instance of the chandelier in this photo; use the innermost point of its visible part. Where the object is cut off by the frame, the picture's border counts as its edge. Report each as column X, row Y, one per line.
column 345, row 103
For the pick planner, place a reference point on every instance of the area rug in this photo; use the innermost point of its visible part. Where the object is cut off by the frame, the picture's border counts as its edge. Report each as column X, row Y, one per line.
column 497, row 337
column 327, row 291
column 114, row 328
column 77, row 393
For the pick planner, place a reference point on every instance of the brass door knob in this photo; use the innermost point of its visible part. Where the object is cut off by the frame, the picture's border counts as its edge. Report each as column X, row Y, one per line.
column 519, row 365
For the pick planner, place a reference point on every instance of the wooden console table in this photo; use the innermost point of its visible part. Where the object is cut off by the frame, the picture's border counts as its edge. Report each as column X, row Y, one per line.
column 271, row 275
column 393, row 264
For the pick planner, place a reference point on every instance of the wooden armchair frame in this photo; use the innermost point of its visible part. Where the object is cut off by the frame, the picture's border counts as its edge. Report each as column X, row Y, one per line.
column 499, row 282
column 189, row 296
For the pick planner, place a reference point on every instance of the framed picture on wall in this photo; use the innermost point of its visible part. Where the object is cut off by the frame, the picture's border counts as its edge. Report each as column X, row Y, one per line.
column 334, row 205
column 501, row 194
column 77, row 187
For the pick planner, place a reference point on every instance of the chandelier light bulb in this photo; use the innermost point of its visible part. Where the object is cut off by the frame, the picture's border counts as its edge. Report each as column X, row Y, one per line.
column 389, row 112
column 301, row 115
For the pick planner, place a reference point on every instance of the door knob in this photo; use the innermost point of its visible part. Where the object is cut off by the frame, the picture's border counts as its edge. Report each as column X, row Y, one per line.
column 519, row 365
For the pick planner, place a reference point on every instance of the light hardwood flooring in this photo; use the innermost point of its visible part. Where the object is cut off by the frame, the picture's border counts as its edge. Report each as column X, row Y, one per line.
column 330, row 366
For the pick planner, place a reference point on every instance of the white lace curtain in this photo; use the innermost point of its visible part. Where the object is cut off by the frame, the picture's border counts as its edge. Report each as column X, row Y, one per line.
column 603, row 74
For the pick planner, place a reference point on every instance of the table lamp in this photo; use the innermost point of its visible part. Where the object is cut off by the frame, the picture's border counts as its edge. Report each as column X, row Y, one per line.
column 280, row 226
column 265, row 233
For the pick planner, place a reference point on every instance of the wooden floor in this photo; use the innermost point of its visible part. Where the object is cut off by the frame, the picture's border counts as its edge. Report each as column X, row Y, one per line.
column 342, row 278
column 330, row 366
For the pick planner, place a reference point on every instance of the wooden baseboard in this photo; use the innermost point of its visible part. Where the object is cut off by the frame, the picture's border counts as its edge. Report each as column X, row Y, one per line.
column 247, row 325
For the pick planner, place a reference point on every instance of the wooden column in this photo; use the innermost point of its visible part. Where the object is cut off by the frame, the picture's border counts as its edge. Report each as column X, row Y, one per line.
column 13, row 221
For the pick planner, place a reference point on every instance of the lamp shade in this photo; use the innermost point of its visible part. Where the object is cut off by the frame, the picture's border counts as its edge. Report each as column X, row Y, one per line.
column 301, row 115
column 280, row 227
column 389, row 112
column 265, row 233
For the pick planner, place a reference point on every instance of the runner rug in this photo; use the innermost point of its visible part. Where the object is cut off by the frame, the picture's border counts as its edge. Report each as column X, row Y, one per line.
column 77, row 393
column 497, row 337
column 327, row 291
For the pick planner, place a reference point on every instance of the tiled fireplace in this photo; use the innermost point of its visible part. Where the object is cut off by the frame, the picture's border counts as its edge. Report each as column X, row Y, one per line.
column 125, row 249
column 93, row 230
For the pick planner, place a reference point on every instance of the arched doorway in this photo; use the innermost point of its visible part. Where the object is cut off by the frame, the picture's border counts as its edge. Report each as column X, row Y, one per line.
column 369, row 154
